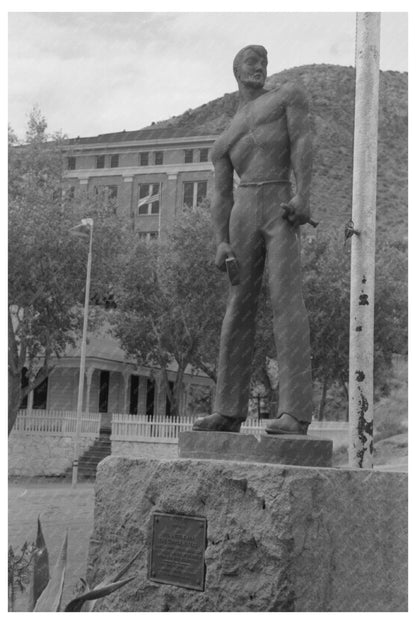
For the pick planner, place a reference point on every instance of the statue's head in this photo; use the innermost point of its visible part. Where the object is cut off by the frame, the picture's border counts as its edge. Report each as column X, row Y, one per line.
column 250, row 66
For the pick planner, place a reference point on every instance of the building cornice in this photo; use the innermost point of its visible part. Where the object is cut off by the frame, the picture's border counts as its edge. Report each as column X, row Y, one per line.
column 129, row 172
column 141, row 143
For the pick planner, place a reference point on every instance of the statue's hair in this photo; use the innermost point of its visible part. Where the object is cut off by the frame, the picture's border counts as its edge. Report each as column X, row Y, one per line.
column 259, row 49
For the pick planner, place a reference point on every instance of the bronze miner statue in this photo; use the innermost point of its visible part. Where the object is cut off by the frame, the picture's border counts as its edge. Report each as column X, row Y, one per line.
column 268, row 137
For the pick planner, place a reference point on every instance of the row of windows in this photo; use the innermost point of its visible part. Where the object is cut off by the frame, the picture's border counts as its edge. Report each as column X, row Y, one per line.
column 149, row 195
column 110, row 191
column 148, row 236
column 144, row 159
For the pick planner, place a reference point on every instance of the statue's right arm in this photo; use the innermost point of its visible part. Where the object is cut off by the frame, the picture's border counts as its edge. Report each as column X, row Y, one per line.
column 221, row 208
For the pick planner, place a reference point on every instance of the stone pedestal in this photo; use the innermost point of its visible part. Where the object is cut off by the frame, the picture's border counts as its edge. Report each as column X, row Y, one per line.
column 279, row 538
column 298, row 450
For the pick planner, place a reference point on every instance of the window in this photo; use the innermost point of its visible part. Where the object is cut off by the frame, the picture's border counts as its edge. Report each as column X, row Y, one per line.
column 150, row 397
column 114, row 160
column 144, row 159
column 103, row 391
column 158, row 158
column 71, row 162
column 148, row 236
column 106, row 193
column 189, row 155
column 40, row 395
column 203, row 154
column 194, row 193
column 134, row 394
column 24, row 384
column 168, row 404
column 149, row 199
column 100, row 162
column 112, row 191
column 70, row 192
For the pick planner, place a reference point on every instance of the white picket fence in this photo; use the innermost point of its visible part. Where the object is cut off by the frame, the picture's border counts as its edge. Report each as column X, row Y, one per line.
column 142, row 427
column 145, row 428
column 56, row 422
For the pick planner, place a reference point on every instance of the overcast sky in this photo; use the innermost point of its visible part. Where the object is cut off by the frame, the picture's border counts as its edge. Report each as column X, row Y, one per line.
column 94, row 73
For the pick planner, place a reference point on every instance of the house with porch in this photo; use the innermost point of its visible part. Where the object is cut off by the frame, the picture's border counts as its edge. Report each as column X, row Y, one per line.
column 113, row 384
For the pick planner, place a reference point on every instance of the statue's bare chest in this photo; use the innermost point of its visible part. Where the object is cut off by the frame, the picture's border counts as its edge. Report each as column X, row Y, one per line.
column 255, row 125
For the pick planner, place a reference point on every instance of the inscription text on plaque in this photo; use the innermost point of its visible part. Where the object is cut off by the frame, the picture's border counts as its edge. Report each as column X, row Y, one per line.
column 177, row 551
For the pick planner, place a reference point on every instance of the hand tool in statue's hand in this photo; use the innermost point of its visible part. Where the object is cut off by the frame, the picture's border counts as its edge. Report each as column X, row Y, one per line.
column 287, row 211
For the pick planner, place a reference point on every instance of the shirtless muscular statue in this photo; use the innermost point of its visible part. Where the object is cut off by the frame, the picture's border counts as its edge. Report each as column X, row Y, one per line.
column 268, row 137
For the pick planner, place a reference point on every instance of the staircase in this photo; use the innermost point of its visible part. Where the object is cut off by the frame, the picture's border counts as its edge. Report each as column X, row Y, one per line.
column 88, row 461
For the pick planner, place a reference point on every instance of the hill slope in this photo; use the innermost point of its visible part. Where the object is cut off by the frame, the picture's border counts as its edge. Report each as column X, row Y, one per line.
column 331, row 90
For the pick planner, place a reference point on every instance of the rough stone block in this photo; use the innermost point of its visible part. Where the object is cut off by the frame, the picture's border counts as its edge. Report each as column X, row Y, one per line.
column 279, row 538
column 298, row 450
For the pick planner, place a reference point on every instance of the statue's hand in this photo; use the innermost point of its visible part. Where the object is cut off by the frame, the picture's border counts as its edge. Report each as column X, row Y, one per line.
column 296, row 211
column 224, row 251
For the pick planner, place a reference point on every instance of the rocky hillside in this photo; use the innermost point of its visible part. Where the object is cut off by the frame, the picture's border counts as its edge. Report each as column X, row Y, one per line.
column 330, row 89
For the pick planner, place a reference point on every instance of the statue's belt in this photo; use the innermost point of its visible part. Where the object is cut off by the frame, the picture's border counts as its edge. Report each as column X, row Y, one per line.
column 264, row 182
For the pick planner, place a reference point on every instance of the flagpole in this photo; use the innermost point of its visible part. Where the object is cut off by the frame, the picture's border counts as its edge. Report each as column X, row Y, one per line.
column 85, row 222
column 361, row 391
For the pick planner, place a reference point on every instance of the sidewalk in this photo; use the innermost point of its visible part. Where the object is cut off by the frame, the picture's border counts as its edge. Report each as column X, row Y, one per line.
column 60, row 507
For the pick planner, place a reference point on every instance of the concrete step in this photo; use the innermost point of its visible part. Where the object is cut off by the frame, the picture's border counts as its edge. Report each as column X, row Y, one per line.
column 87, row 465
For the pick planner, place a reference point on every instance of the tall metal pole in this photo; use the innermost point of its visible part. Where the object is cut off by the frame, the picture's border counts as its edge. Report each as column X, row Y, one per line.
column 88, row 222
column 361, row 394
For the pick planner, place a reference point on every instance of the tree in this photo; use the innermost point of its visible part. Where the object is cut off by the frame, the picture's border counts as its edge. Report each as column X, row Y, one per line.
column 326, row 288
column 327, row 297
column 47, row 267
column 170, row 300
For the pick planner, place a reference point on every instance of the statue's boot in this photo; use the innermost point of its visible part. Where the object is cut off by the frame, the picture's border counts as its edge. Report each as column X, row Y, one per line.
column 287, row 425
column 218, row 422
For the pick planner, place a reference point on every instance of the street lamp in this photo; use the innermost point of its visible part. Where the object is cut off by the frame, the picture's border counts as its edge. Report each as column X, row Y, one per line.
column 83, row 230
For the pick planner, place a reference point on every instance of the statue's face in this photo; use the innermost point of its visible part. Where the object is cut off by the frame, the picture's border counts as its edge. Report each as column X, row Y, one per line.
column 252, row 70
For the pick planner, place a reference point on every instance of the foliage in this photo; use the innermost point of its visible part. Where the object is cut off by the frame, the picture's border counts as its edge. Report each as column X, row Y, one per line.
column 326, row 288
column 326, row 291
column 46, row 592
column 264, row 351
column 391, row 412
column 40, row 569
column 87, row 599
column 47, row 267
column 50, row 598
column 18, row 570
column 170, row 300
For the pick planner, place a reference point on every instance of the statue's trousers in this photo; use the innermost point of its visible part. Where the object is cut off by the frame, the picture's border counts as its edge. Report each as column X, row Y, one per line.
column 259, row 232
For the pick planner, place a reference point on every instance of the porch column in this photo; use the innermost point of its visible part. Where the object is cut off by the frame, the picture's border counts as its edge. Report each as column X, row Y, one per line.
column 126, row 379
column 90, row 372
column 160, row 395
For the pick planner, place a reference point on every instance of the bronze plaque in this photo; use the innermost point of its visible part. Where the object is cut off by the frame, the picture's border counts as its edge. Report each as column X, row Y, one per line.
column 177, row 552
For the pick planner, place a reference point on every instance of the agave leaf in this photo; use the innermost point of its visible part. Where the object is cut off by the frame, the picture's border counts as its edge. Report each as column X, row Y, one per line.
column 108, row 580
column 50, row 598
column 112, row 579
column 97, row 592
column 40, row 570
column 118, row 575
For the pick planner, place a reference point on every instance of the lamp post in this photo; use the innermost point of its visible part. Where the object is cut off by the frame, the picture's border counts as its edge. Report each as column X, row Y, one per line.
column 83, row 230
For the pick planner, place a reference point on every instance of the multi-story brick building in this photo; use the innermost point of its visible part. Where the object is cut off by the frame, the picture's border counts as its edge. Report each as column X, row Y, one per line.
column 150, row 174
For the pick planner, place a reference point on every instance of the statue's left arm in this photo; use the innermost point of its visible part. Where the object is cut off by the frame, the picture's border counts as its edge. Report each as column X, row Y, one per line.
column 297, row 116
